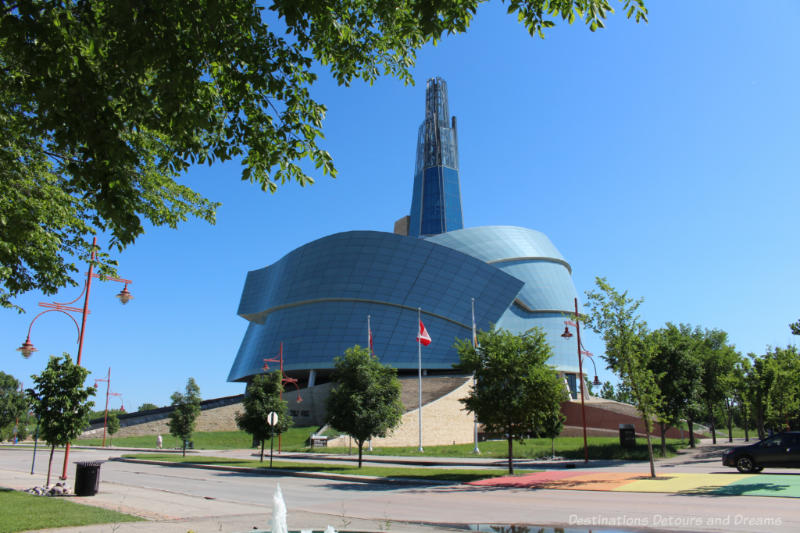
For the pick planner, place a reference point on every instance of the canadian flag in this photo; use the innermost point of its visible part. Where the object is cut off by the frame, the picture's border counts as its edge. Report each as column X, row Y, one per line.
column 423, row 338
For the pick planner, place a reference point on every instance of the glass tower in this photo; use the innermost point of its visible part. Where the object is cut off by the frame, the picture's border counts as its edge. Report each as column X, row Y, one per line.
column 436, row 200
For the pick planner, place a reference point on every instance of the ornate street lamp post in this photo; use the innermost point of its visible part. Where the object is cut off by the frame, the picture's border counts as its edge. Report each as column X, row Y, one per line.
column 567, row 335
column 284, row 379
column 27, row 349
column 108, row 393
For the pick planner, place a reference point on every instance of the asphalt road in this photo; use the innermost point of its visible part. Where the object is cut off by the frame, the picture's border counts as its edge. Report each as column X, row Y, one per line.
column 204, row 500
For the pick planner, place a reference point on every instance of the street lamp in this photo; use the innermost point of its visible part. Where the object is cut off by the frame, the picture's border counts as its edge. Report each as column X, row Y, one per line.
column 284, row 379
column 124, row 296
column 567, row 335
column 108, row 393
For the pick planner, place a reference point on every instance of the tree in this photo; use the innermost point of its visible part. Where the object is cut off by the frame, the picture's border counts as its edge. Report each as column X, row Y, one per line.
column 678, row 371
column 795, row 327
column 613, row 315
column 550, row 427
column 263, row 396
column 147, row 407
column 61, row 402
column 13, row 404
column 783, row 393
column 365, row 400
column 515, row 387
column 104, row 104
column 718, row 359
column 185, row 410
column 112, row 424
column 607, row 391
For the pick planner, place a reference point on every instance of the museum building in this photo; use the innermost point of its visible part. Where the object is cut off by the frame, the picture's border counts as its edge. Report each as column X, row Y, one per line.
column 316, row 300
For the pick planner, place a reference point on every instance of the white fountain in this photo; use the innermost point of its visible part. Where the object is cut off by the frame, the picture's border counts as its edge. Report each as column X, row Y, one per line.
column 278, row 511
column 279, row 514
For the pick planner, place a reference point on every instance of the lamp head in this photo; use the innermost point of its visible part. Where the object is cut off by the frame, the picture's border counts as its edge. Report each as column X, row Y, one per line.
column 596, row 382
column 27, row 348
column 124, row 295
column 566, row 333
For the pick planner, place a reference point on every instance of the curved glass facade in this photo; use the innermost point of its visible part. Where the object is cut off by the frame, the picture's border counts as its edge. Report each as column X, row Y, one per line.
column 316, row 300
column 548, row 293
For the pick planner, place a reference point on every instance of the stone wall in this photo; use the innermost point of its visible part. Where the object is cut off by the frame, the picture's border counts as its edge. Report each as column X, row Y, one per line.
column 216, row 415
column 444, row 421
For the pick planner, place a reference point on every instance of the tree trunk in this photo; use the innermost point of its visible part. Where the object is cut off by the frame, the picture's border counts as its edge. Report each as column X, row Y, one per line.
column 262, row 450
column 649, row 448
column 730, row 419
column 553, row 448
column 184, row 448
column 746, row 422
column 50, row 464
column 510, row 454
column 360, row 449
column 690, row 422
column 663, row 439
column 713, row 429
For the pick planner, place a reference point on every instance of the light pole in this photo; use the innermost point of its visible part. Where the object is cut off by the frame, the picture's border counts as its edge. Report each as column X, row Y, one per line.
column 108, row 393
column 284, row 379
column 567, row 335
column 124, row 296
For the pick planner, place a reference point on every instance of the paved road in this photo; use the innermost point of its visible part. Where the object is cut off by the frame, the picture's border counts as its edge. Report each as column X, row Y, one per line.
column 180, row 499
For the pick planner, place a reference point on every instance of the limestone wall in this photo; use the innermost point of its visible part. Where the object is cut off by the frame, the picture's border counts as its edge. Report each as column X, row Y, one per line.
column 444, row 421
column 214, row 419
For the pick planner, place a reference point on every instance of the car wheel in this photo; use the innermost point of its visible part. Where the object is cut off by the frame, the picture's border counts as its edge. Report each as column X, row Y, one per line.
column 745, row 464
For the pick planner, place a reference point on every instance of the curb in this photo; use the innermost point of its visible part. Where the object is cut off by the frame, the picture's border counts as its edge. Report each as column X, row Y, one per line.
column 293, row 473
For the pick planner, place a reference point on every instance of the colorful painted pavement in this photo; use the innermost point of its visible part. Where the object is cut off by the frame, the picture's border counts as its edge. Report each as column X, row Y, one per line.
column 783, row 485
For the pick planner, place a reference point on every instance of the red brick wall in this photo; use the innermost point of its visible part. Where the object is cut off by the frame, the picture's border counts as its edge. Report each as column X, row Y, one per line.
column 605, row 419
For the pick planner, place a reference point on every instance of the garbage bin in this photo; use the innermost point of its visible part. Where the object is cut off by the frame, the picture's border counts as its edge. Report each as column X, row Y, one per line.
column 87, row 478
column 627, row 436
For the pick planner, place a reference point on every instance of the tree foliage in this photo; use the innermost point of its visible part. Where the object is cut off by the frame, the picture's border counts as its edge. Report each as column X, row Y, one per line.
column 365, row 400
column 147, row 407
column 13, row 404
column 262, row 397
column 112, row 424
column 678, row 372
column 718, row 359
column 516, row 390
column 186, row 409
column 613, row 315
column 61, row 402
column 104, row 104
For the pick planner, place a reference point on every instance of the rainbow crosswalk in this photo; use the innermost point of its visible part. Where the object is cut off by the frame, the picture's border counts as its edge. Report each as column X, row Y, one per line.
column 781, row 485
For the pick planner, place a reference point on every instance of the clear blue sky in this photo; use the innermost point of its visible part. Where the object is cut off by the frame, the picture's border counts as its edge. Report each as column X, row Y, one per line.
column 663, row 156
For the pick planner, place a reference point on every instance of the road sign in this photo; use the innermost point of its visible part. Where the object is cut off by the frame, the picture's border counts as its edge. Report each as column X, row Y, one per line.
column 272, row 418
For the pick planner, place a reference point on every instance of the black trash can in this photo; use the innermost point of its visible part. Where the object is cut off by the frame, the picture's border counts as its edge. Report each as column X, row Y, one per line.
column 87, row 478
column 627, row 436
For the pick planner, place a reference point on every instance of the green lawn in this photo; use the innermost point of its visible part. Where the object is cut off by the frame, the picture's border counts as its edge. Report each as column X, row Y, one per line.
column 437, row 474
column 567, row 447
column 293, row 440
column 22, row 512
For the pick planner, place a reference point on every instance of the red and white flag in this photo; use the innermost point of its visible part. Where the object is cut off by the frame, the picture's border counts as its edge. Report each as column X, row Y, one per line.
column 423, row 338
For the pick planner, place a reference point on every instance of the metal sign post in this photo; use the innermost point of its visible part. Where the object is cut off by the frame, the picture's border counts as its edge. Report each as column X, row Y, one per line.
column 272, row 420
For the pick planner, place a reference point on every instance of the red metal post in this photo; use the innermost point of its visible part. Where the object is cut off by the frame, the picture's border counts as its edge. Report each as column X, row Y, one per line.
column 580, row 377
column 80, row 337
column 105, row 415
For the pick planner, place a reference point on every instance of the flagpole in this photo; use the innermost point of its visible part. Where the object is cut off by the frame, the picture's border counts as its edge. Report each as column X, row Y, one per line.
column 419, row 373
column 475, row 450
